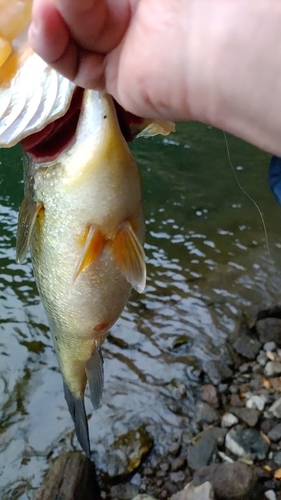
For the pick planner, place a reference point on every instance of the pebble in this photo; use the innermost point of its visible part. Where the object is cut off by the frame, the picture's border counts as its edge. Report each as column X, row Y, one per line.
column 262, row 358
column 177, row 477
column 270, row 495
column 231, row 481
column 246, row 443
column 210, row 395
column 178, row 464
column 175, row 449
column 247, row 345
column 202, row 451
column 249, row 416
column 257, row 402
column 272, row 369
column 275, row 409
column 191, row 492
column 277, row 458
column 228, row 420
column 269, row 346
column 269, row 329
column 205, row 413
column 275, row 433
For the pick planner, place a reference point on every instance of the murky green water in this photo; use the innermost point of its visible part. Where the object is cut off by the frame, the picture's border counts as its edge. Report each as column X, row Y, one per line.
column 207, row 259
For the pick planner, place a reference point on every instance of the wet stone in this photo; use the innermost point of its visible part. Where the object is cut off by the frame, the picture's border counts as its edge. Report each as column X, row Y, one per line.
column 228, row 420
column 269, row 329
column 267, row 424
column 246, row 443
column 275, row 433
column 126, row 491
column 257, row 402
column 191, row 492
column 202, row 451
column 262, row 358
column 128, row 451
column 272, row 369
column 275, row 409
column 205, row 413
column 269, row 346
column 277, row 458
column 177, row 477
column 249, row 416
column 217, row 371
column 247, row 345
column 210, row 395
column 178, row 464
column 175, row 449
column 235, row 481
column 270, row 495
column 235, row 400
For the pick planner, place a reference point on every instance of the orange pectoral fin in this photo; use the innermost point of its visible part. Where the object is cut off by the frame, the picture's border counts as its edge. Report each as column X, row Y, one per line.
column 129, row 256
column 94, row 245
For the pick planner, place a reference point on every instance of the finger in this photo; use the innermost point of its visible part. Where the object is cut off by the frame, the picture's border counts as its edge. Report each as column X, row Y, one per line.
column 50, row 38
column 97, row 25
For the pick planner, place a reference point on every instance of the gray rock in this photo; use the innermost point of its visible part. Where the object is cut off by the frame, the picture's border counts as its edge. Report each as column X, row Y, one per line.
column 269, row 329
column 228, row 420
column 270, row 495
column 202, row 451
column 235, row 481
column 269, row 346
column 246, row 443
column 175, row 449
column 178, row 464
column 217, row 371
column 177, row 477
column 249, row 416
column 272, row 368
column 275, row 433
column 144, row 497
column 262, row 358
column 275, row 409
column 210, row 395
column 205, row 413
column 126, row 491
column 277, row 458
column 191, row 492
column 247, row 345
column 257, row 402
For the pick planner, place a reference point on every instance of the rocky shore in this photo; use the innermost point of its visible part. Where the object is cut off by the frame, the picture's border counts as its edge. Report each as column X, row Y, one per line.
column 237, row 453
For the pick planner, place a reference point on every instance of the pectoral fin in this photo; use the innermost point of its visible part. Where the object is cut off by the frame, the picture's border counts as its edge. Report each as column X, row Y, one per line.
column 27, row 215
column 129, row 256
column 78, row 414
column 150, row 128
column 94, row 370
column 94, row 245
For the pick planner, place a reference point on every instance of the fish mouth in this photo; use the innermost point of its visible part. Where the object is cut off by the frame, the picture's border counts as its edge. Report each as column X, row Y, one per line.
column 47, row 144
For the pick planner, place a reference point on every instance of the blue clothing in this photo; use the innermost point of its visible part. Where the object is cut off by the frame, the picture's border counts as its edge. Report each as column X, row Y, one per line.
column 274, row 177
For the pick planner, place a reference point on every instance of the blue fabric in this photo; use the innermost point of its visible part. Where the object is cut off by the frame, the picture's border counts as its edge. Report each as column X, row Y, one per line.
column 274, row 177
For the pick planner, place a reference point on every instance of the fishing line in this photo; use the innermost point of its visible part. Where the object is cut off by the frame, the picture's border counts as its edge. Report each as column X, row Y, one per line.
column 253, row 201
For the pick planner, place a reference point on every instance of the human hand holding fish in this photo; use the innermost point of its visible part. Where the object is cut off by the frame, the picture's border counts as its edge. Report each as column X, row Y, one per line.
column 171, row 59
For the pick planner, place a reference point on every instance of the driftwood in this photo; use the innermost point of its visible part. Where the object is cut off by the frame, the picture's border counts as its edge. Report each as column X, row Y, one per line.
column 72, row 476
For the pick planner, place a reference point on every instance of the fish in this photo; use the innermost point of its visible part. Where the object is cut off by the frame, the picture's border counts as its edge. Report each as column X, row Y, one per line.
column 82, row 215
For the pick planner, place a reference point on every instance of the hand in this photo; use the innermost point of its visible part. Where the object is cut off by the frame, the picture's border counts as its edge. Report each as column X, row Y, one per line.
column 135, row 49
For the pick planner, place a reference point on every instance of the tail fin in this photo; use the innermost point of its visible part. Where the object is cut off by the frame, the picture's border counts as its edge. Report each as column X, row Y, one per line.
column 78, row 414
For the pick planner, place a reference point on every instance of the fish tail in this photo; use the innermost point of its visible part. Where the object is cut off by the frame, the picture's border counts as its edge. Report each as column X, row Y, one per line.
column 78, row 414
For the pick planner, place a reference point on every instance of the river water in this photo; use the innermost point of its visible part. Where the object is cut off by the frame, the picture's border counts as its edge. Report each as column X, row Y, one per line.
column 207, row 259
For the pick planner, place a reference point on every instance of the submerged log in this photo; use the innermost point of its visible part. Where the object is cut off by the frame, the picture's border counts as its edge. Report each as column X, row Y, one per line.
column 72, row 476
